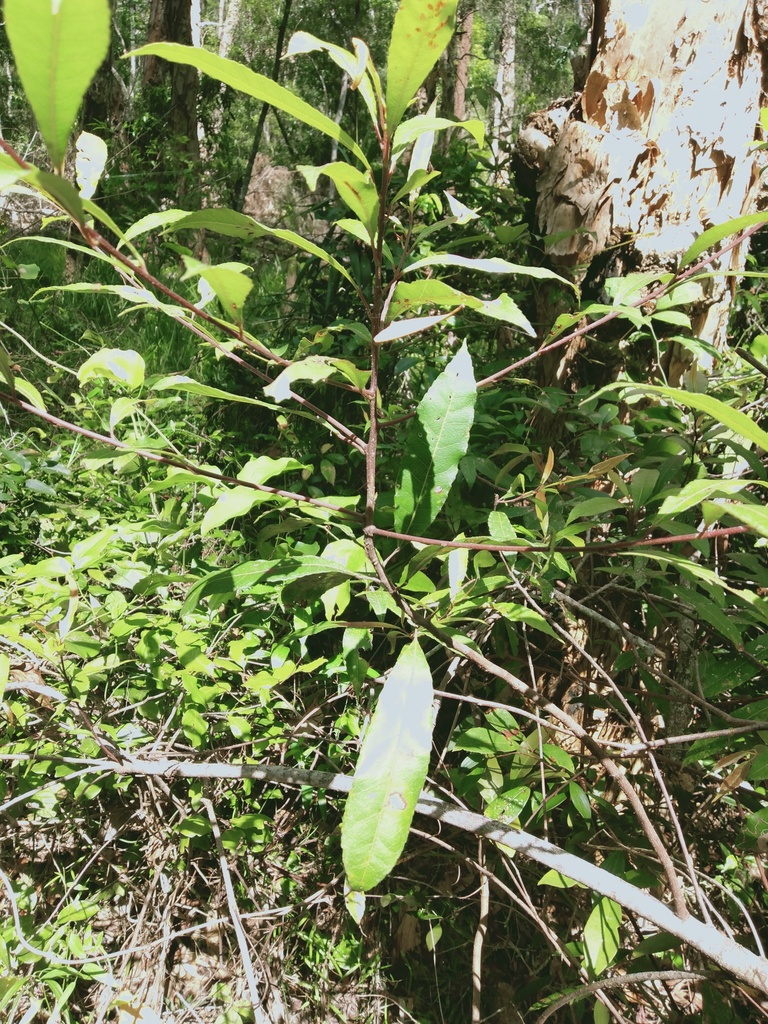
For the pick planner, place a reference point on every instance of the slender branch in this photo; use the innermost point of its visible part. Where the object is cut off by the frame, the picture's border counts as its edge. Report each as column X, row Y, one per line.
column 739, row 961
column 651, row 296
column 604, row 548
column 177, row 463
column 234, row 914
column 621, row 981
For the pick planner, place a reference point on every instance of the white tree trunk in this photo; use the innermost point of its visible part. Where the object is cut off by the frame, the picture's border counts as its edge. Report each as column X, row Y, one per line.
column 662, row 148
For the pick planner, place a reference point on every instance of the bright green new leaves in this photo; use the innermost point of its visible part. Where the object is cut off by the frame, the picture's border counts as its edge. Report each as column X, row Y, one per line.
column 390, row 772
column 356, row 189
column 422, row 31
column 601, row 936
column 259, row 86
column 58, row 46
column 437, row 441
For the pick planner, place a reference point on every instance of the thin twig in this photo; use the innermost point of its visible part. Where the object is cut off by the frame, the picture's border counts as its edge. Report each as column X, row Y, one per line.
column 480, row 933
column 242, row 940
column 621, row 981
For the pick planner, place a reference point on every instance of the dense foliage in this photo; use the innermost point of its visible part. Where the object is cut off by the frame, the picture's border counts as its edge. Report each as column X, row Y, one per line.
column 280, row 520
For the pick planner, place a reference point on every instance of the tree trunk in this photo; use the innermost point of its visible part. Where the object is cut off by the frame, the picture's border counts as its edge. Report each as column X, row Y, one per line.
column 504, row 97
column 171, row 21
column 656, row 150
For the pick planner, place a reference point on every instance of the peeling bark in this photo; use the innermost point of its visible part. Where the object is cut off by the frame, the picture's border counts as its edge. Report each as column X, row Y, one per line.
column 657, row 149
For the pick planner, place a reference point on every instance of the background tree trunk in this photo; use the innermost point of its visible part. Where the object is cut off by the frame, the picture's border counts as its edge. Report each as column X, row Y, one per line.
column 504, row 95
column 171, row 21
column 656, row 150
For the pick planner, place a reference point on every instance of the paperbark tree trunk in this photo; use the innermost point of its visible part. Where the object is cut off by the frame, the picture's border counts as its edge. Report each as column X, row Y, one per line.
column 656, row 150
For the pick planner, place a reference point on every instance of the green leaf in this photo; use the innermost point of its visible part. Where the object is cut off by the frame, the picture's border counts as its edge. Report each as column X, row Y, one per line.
column 493, row 265
column 233, row 225
column 227, row 280
column 601, row 936
column 436, row 442
column 11, row 172
column 259, row 86
column 753, row 516
column 406, row 328
column 354, row 64
column 315, row 369
column 699, row 490
column 412, row 130
column 716, row 234
column 411, row 295
column 415, row 182
column 735, row 420
column 420, row 34
column 224, row 584
column 237, row 501
column 580, row 800
column 58, row 46
column 355, row 188
column 61, row 192
column 592, row 507
column 556, row 880
column 90, row 162
column 390, row 773
column 30, row 392
column 122, row 365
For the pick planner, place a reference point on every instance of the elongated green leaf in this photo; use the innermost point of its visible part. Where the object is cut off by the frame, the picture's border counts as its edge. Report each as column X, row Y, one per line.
column 315, row 369
column 233, row 225
column 249, row 82
column 735, row 420
column 421, row 32
column 601, row 936
column 432, row 292
column 60, row 191
column 493, row 265
column 58, row 46
column 716, row 234
column 753, row 516
column 437, row 441
column 355, row 188
column 417, row 179
column 405, row 328
column 390, row 772
column 416, row 127
column 699, row 490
